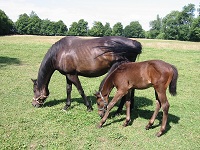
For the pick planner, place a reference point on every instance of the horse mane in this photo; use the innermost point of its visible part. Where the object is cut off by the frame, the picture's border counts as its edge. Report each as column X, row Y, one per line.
column 121, row 47
column 112, row 69
column 47, row 67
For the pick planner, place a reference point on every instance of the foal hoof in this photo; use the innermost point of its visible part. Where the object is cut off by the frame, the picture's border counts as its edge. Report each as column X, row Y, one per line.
column 99, row 126
column 126, row 123
column 158, row 134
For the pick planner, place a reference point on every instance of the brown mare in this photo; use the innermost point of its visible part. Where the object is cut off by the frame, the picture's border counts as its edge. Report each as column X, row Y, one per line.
column 73, row 56
column 140, row 75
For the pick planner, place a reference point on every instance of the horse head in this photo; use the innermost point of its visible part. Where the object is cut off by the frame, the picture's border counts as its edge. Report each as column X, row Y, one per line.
column 101, row 104
column 39, row 95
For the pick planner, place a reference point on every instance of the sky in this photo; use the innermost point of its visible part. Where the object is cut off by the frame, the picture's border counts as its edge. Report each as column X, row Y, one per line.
column 111, row 11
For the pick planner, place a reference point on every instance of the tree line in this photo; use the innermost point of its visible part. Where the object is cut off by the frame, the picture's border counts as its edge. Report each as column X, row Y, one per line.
column 177, row 25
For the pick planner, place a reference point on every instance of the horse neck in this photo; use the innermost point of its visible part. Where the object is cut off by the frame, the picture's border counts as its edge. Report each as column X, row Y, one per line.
column 44, row 75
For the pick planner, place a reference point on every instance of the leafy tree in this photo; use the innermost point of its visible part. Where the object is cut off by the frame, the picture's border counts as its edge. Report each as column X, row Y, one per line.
column 107, row 29
column 198, row 10
column 44, row 27
column 195, row 30
column 61, row 28
column 185, row 19
column 156, row 26
column 82, row 27
column 6, row 25
column 22, row 24
column 34, row 24
column 73, row 30
column 127, row 31
column 97, row 30
column 170, row 25
column 134, row 29
column 117, row 29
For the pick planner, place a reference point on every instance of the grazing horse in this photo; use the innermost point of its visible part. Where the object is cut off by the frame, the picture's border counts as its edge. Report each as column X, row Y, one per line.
column 140, row 75
column 73, row 56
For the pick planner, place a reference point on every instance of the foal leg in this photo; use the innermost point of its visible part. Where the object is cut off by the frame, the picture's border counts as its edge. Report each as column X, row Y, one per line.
column 128, row 105
column 151, row 121
column 120, row 107
column 75, row 80
column 68, row 91
column 165, row 107
column 117, row 96
column 123, row 100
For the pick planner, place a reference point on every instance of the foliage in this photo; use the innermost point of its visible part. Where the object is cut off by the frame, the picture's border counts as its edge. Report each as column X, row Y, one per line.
column 33, row 25
column 156, row 26
column 195, row 30
column 97, row 29
column 134, row 30
column 73, row 30
column 176, row 26
column 25, row 127
column 78, row 29
column 107, row 29
column 6, row 25
column 117, row 29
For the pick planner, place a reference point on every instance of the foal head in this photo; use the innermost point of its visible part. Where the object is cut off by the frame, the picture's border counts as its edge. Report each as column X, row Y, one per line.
column 102, row 103
column 39, row 95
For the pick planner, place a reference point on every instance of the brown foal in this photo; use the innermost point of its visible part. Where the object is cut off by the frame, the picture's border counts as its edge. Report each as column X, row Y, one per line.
column 138, row 75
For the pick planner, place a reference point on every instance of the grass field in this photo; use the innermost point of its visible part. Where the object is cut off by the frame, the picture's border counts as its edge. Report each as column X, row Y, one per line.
column 25, row 127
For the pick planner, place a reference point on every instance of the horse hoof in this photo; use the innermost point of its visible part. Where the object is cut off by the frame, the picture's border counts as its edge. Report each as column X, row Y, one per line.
column 158, row 134
column 99, row 126
column 66, row 107
column 147, row 127
column 126, row 123
column 89, row 109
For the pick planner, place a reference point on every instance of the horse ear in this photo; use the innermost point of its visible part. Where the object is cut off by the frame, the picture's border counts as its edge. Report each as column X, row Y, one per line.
column 96, row 94
column 34, row 81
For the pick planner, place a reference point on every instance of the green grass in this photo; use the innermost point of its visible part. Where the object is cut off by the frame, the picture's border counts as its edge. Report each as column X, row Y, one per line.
column 25, row 127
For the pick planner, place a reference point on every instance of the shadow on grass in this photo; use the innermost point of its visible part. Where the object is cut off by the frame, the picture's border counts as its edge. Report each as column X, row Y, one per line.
column 137, row 112
column 78, row 100
column 146, row 114
column 4, row 61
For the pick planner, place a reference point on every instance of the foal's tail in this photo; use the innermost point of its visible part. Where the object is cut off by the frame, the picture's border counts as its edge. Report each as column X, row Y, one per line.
column 173, row 83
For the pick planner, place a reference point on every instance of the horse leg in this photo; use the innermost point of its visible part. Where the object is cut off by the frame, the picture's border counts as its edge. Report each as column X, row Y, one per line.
column 165, row 106
column 132, row 99
column 68, row 91
column 122, row 102
column 117, row 96
column 151, row 121
column 128, row 105
column 75, row 80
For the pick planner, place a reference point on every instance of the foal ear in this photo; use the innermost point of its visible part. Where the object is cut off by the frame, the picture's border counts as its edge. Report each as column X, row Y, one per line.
column 96, row 94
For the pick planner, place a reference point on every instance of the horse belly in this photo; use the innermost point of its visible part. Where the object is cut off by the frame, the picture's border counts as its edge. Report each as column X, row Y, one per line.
column 140, row 82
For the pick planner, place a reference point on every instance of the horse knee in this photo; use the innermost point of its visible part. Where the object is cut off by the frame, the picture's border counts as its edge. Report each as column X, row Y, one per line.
column 165, row 106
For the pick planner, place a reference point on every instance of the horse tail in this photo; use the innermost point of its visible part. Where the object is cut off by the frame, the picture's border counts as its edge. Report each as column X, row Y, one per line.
column 121, row 46
column 173, row 83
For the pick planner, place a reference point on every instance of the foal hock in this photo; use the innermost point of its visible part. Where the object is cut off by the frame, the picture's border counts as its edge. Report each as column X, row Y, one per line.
column 141, row 75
